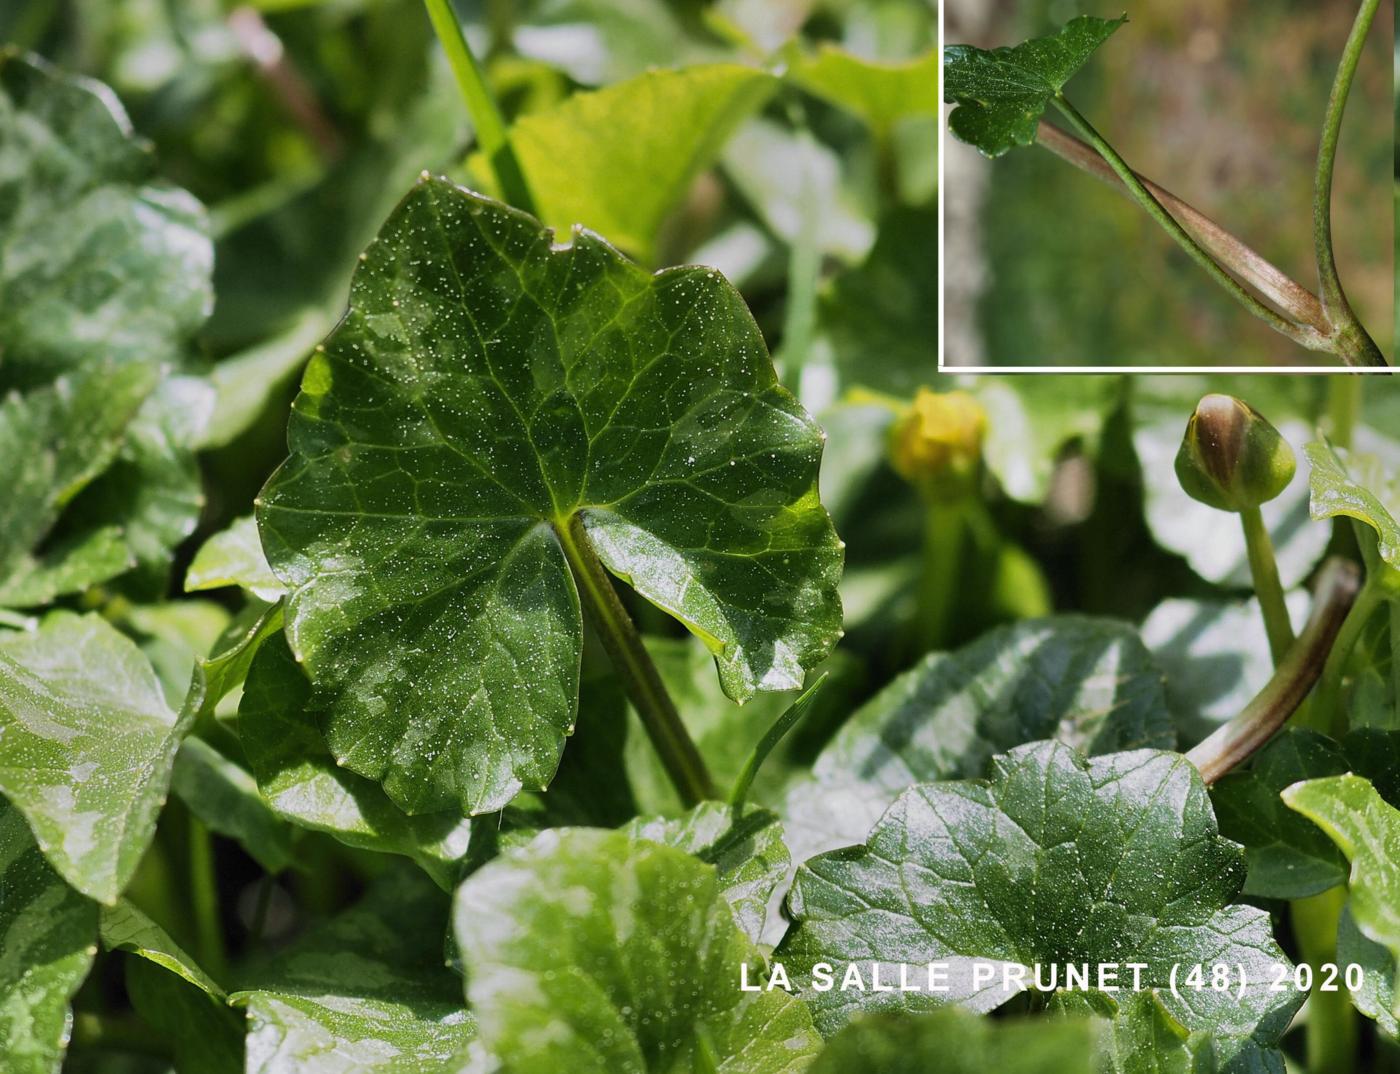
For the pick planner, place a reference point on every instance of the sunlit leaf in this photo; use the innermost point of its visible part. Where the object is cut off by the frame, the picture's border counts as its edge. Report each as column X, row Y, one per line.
column 450, row 434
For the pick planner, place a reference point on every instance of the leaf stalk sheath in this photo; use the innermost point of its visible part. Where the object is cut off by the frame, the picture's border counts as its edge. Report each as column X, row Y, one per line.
column 1327, row 711
column 1194, row 250
column 1242, row 737
column 673, row 744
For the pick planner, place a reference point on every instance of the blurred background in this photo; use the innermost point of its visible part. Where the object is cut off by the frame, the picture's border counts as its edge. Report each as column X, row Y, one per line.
column 1219, row 101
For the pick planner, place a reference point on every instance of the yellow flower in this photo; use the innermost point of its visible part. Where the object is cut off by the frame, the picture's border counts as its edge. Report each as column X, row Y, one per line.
column 939, row 438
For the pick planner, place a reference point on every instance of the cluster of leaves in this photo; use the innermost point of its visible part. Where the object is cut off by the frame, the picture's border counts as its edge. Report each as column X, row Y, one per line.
column 343, row 781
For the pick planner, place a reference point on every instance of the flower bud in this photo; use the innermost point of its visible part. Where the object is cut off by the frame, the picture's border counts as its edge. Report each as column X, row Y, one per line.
column 1231, row 457
column 937, row 442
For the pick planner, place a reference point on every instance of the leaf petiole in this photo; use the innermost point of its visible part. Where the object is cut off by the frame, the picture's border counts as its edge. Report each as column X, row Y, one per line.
column 1363, row 349
column 1237, row 741
column 673, row 744
column 481, row 103
column 1169, row 224
column 775, row 734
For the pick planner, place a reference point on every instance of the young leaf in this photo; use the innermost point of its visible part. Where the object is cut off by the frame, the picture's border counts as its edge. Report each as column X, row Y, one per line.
column 616, row 160
column 1288, row 857
column 48, row 938
column 125, row 928
column 1087, row 682
column 953, row 1041
column 747, row 852
column 488, row 397
column 1357, row 486
column 301, row 782
column 234, row 557
column 225, row 797
column 89, row 745
column 366, row 992
column 1367, row 829
column 593, row 952
column 1001, row 93
column 1055, row 859
column 99, row 258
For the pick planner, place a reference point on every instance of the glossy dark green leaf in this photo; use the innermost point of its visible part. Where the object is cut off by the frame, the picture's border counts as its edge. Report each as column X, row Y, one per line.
column 1288, row 857
column 224, row 795
column 102, row 263
column 1001, row 93
column 1055, row 859
column 89, row 746
column 366, row 992
column 1357, row 486
column 1087, row 682
column 953, row 1041
column 48, row 936
column 589, row 951
column 747, row 852
column 300, row 781
column 486, row 391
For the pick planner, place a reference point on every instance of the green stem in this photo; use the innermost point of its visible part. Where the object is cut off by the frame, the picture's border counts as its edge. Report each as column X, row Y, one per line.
column 481, row 103
column 204, row 894
column 1326, row 713
column 945, row 536
column 1343, row 408
column 1332, row 1032
column 775, row 734
column 1267, row 586
column 804, row 263
column 1154, row 208
column 1334, row 299
column 657, row 711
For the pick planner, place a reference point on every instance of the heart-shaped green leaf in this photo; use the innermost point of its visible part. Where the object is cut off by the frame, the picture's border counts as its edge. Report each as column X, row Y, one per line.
column 489, row 396
column 366, row 992
column 1056, row 859
column 880, row 93
column 234, row 557
column 1001, row 93
column 1087, row 682
column 48, row 934
column 1367, row 829
column 1357, row 486
column 89, row 746
column 593, row 952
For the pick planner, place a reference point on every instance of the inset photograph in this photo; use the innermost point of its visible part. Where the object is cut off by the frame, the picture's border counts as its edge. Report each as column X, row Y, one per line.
column 1160, row 184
